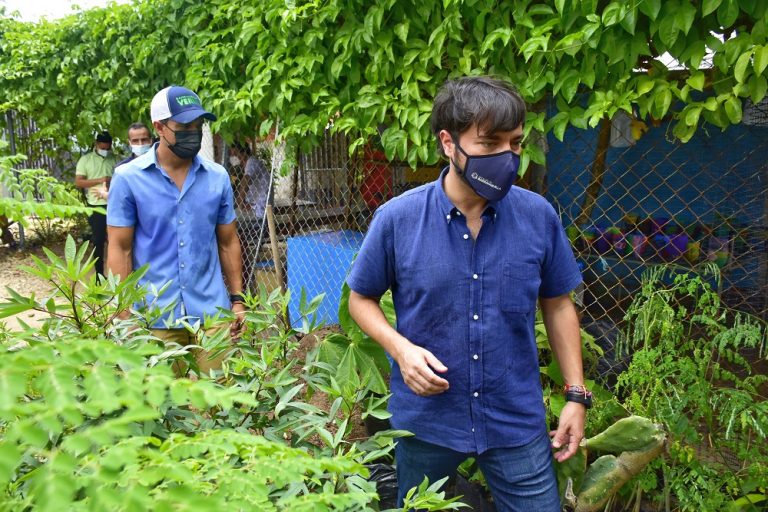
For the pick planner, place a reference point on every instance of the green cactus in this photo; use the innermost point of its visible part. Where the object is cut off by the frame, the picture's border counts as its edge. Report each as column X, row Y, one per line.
column 635, row 439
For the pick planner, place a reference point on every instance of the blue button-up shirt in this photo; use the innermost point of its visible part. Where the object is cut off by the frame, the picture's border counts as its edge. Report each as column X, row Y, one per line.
column 472, row 303
column 175, row 231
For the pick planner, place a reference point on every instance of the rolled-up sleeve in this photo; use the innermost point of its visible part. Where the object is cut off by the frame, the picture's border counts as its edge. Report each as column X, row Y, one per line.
column 121, row 204
column 372, row 272
column 560, row 272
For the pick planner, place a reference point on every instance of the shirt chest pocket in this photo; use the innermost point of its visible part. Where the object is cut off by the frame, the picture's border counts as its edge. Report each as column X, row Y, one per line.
column 520, row 287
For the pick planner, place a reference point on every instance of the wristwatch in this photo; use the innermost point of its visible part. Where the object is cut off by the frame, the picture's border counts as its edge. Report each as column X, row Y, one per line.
column 578, row 394
column 236, row 297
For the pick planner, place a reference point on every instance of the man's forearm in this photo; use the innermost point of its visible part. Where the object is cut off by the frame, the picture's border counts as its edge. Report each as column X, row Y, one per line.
column 368, row 314
column 81, row 182
column 562, row 325
column 119, row 261
column 230, row 256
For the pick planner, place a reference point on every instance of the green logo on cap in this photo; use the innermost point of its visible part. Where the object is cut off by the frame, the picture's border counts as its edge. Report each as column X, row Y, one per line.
column 183, row 101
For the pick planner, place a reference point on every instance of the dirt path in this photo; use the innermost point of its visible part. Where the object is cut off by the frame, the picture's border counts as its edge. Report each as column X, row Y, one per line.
column 12, row 276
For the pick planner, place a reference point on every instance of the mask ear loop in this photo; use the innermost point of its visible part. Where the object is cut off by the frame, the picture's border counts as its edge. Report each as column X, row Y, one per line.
column 455, row 162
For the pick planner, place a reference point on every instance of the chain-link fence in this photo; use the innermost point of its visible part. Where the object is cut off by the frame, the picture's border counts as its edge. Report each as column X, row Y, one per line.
column 630, row 196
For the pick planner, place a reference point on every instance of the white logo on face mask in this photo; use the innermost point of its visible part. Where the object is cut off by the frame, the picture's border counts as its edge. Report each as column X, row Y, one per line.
column 479, row 178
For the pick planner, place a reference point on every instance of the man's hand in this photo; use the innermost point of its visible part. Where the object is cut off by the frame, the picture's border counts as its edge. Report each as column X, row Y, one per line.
column 418, row 366
column 570, row 430
column 237, row 327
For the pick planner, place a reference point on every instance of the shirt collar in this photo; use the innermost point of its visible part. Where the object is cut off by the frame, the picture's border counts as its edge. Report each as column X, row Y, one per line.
column 149, row 160
column 448, row 209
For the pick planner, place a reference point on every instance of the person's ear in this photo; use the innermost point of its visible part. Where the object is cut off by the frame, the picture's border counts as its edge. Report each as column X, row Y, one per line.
column 446, row 141
column 159, row 127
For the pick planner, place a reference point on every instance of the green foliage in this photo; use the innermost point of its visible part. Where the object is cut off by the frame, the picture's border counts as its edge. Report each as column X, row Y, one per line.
column 355, row 65
column 92, row 416
column 430, row 498
column 356, row 356
column 689, row 372
column 33, row 192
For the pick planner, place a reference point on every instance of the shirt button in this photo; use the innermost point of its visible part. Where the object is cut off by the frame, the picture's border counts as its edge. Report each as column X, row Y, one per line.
column 183, row 287
column 476, row 394
column 473, row 429
column 475, row 317
column 181, row 221
column 448, row 216
column 466, row 236
column 474, row 276
column 182, row 265
column 181, row 244
column 458, row 213
column 475, row 357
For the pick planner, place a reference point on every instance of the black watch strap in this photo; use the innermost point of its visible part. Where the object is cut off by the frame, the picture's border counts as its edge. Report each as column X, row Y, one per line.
column 578, row 394
column 236, row 297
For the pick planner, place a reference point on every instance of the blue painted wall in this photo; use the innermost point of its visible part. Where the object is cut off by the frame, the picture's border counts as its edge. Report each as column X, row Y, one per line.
column 716, row 174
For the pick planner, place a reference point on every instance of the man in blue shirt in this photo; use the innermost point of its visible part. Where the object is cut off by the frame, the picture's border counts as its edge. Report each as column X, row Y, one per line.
column 174, row 210
column 467, row 259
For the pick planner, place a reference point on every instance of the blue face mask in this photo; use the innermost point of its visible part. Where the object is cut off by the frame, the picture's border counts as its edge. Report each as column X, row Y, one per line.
column 490, row 176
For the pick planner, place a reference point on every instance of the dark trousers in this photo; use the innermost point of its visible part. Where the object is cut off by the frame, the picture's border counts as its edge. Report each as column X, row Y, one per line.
column 98, row 223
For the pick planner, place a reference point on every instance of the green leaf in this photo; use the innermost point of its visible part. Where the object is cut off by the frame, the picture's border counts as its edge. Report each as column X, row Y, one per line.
column 645, row 85
column 692, row 115
column 696, row 80
column 733, row 109
column 612, row 14
column 10, row 458
column 711, row 104
column 758, row 85
column 684, row 16
column 661, row 103
column 560, row 6
column 650, row 8
column 401, row 31
column 535, row 153
column 761, row 59
column 728, row 12
column 70, row 249
column 629, row 21
column 740, row 70
column 710, row 6
column 668, row 31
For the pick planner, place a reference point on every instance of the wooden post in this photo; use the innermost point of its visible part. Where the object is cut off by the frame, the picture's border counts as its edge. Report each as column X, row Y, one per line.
column 275, row 249
column 598, row 173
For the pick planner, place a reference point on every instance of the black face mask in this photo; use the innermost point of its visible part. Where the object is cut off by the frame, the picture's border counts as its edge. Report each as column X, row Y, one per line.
column 187, row 143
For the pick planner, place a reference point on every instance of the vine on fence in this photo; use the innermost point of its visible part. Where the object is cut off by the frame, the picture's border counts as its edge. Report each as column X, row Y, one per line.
column 377, row 65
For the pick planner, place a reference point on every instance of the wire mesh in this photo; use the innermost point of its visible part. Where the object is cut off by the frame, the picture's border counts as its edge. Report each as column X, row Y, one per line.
column 630, row 197
column 655, row 201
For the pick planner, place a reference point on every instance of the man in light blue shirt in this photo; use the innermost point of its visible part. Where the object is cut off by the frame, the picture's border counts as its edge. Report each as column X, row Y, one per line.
column 174, row 210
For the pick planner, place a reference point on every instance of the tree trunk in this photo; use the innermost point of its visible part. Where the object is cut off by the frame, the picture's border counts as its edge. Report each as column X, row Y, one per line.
column 598, row 173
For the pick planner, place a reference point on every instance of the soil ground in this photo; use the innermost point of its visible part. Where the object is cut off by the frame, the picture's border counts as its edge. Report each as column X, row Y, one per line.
column 14, row 277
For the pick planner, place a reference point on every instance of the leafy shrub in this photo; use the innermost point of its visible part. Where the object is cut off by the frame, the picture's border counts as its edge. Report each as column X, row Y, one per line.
column 91, row 415
column 689, row 372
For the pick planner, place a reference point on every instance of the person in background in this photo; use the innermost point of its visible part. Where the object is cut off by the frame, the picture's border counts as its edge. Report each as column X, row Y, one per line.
column 467, row 259
column 174, row 210
column 253, row 193
column 93, row 172
column 140, row 140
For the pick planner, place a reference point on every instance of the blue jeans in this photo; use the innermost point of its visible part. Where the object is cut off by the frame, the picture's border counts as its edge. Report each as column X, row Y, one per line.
column 520, row 478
